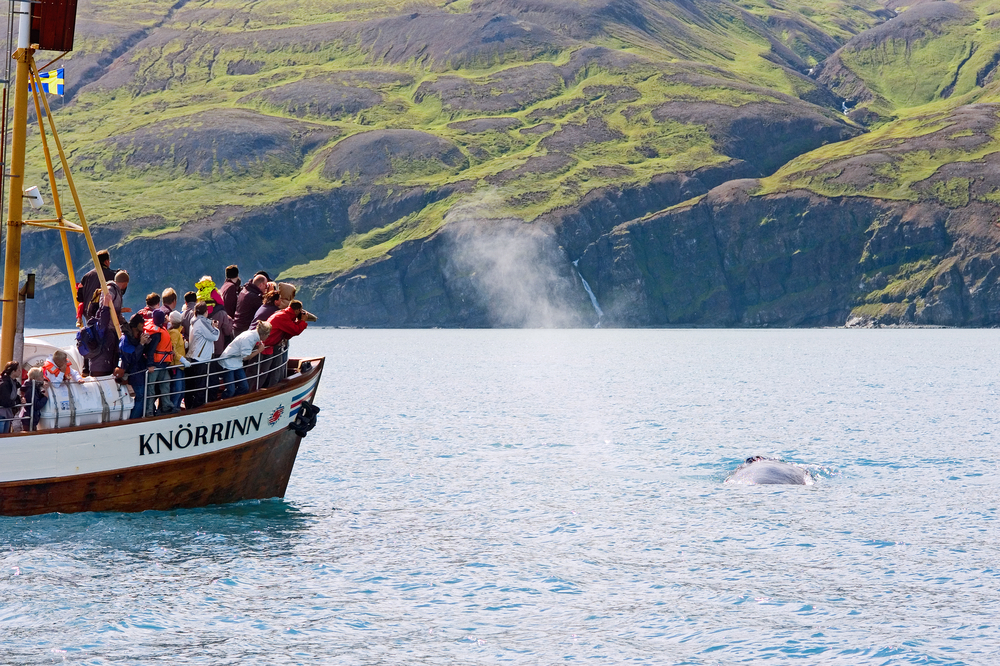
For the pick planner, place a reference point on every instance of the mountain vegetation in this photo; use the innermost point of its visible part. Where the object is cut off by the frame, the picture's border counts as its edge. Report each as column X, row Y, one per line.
column 490, row 162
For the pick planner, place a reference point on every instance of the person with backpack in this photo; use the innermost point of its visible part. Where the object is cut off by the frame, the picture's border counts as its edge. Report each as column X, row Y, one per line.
column 97, row 342
column 9, row 396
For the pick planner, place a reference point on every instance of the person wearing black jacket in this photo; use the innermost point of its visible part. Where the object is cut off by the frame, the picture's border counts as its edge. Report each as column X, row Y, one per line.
column 230, row 289
column 91, row 283
column 9, row 396
column 250, row 299
column 106, row 360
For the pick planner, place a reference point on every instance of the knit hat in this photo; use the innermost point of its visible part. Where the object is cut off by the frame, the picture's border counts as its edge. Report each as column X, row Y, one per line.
column 159, row 318
column 175, row 318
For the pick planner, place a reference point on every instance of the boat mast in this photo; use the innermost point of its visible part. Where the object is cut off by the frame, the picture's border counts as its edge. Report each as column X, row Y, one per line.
column 57, row 22
column 15, row 201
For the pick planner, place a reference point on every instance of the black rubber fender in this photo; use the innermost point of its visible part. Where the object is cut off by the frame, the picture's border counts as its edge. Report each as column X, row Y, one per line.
column 305, row 420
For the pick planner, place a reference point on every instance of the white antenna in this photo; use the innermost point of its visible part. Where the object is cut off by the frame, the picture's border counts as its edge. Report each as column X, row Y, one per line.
column 24, row 26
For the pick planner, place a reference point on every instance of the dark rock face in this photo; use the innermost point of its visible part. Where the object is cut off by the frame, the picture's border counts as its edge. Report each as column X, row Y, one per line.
column 731, row 260
column 477, row 272
column 500, row 273
column 797, row 259
column 270, row 238
column 370, row 155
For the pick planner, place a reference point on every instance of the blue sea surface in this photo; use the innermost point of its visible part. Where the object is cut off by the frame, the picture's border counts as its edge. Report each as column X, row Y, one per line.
column 541, row 497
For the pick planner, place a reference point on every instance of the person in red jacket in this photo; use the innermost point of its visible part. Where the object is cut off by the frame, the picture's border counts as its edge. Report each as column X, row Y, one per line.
column 285, row 324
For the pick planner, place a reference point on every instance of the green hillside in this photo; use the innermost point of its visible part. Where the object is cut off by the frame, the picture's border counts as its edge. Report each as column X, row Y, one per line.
column 235, row 129
column 241, row 104
column 932, row 70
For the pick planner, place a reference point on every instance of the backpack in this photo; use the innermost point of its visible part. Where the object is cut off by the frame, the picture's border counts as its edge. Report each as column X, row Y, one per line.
column 89, row 339
column 95, row 303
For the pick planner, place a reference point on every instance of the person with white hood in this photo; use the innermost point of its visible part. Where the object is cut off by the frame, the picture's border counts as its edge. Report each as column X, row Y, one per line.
column 243, row 348
column 201, row 345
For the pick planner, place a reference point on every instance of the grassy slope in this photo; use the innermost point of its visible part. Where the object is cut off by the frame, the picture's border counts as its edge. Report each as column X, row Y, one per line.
column 906, row 74
column 911, row 81
column 182, row 69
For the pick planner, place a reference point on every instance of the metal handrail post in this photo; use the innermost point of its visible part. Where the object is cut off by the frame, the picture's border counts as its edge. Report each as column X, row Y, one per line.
column 31, row 412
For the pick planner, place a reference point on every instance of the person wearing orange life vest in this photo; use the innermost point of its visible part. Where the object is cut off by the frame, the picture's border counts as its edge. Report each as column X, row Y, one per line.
column 58, row 369
column 160, row 352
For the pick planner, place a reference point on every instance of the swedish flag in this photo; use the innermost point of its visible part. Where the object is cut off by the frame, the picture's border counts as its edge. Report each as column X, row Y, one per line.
column 52, row 82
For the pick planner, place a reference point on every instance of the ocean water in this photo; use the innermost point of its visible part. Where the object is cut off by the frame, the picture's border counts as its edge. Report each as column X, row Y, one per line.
column 542, row 497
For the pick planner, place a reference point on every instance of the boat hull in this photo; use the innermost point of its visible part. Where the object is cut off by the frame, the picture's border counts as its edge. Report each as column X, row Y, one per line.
column 231, row 450
column 255, row 470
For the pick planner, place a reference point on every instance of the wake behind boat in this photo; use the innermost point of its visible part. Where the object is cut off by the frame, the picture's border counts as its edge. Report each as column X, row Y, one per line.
column 80, row 452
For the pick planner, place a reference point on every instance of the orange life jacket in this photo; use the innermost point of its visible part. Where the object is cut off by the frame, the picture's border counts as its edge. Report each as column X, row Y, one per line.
column 164, row 351
column 49, row 368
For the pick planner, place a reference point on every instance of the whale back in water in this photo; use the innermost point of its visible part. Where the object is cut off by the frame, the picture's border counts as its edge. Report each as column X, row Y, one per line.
column 764, row 471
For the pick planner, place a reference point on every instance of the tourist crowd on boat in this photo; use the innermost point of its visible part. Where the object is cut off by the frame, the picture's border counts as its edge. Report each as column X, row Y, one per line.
column 223, row 341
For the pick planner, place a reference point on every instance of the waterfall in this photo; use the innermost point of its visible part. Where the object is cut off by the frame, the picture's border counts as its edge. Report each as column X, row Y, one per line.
column 590, row 292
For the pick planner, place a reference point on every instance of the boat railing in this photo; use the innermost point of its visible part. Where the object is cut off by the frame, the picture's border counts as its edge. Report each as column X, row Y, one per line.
column 215, row 383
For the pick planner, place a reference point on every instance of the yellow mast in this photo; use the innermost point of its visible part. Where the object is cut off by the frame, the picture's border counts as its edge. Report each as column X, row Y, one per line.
column 63, row 226
column 15, row 206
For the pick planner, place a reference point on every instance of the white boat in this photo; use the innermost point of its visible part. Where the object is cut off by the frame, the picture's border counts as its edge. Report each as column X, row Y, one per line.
column 85, row 457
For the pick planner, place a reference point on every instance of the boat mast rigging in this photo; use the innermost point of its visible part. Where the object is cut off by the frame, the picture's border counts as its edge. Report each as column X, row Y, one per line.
column 27, row 73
